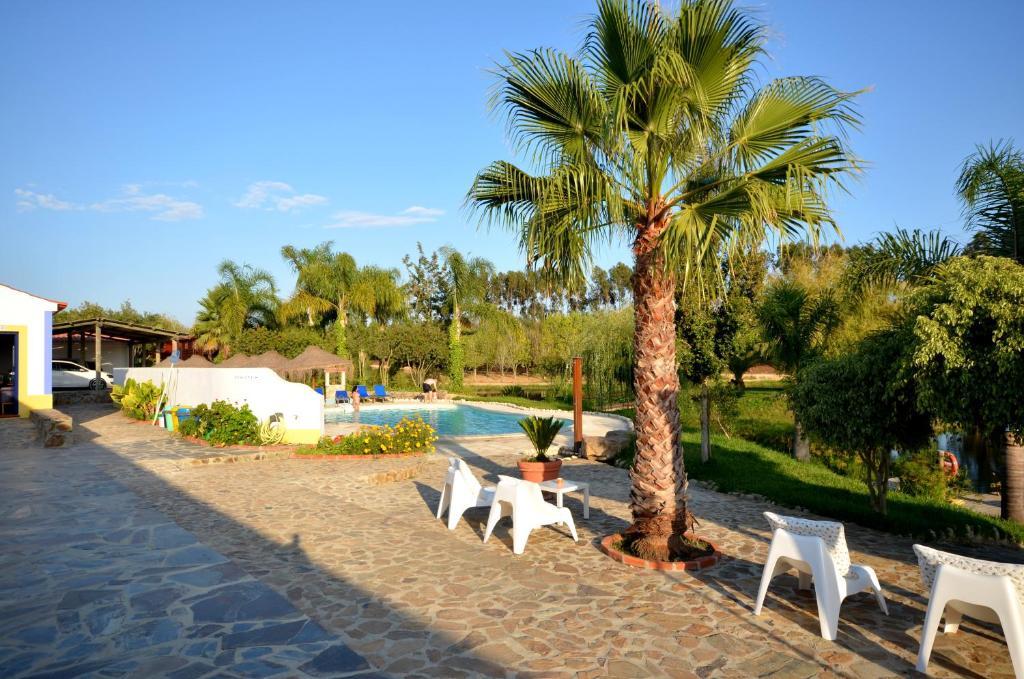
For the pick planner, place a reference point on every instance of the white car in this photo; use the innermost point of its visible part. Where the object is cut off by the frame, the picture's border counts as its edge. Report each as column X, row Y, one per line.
column 68, row 375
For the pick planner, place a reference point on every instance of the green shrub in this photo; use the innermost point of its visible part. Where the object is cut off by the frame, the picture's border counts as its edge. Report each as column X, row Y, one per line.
column 408, row 436
column 222, row 424
column 513, row 390
column 861, row 403
column 921, row 475
column 137, row 399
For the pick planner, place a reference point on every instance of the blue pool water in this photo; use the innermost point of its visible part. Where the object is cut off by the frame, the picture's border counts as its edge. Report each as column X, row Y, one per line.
column 448, row 420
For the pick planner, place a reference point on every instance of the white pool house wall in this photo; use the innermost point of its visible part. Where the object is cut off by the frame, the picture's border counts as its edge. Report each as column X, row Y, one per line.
column 261, row 389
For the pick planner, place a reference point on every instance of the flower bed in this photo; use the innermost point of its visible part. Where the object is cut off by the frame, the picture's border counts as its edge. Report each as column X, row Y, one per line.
column 411, row 436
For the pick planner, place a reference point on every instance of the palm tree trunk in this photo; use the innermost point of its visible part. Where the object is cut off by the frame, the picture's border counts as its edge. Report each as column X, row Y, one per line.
column 658, row 493
column 455, row 355
column 1013, row 485
column 705, row 423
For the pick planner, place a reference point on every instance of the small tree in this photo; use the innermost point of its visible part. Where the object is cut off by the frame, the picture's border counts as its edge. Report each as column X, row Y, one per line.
column 744, row 274
column 863, row 404
column 421, row 346
column 463, row 285
column 699, row 354
column 796, row 322
column 969, row 358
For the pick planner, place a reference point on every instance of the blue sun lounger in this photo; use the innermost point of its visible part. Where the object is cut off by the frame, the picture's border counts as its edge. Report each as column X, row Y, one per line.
column 379, row 393
column 361, row 390
column 341, row 396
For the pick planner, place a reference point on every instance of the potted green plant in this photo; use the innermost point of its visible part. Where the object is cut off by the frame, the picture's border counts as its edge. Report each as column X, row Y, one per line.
column 537, row 466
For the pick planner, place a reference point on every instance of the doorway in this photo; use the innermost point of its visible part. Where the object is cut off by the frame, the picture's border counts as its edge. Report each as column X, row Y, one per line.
column 8, row 374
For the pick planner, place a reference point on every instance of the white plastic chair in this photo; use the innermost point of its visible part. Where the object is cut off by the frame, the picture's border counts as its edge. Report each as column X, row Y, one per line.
column 984, row 590
column 523, row 501
column 817, row 549
column 461, row 492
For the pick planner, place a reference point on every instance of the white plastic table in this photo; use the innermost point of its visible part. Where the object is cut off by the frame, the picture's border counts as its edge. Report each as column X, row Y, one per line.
column 568, row 487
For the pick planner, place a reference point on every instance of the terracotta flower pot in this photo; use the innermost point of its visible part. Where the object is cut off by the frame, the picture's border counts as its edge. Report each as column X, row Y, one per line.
column 539, row 471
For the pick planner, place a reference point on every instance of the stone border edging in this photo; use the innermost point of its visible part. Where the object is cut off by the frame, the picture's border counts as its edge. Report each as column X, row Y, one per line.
column 382, row 456
column 244, row 457
column 636, row 562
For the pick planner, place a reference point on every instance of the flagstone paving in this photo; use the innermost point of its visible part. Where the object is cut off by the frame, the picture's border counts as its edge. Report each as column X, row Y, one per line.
column 120, row 556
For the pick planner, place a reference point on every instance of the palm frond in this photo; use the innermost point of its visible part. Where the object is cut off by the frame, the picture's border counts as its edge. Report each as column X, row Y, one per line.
column 991, row 186
column 903, row 256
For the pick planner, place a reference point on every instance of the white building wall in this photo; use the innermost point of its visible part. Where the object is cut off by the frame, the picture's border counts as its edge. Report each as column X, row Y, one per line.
column 261, row 388
column 18, row 308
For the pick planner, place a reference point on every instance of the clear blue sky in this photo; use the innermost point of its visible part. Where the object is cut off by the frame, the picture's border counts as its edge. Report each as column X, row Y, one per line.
column 143, row 142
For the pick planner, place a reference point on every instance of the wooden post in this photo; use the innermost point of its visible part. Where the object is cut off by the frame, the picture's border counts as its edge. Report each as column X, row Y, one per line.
column 577, row 404
column 99, row 355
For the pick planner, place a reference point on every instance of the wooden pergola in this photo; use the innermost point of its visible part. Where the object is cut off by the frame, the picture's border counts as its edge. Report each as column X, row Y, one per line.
column 99, row 329
column 315, row 359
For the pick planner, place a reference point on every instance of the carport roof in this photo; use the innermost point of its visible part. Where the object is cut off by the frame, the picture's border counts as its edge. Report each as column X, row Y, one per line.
column 118, row 330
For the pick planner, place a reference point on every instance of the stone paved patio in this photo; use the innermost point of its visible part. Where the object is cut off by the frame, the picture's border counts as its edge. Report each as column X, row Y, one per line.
column 120, row 557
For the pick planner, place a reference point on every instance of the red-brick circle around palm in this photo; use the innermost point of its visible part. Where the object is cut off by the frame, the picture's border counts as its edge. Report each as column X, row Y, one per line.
column 697, row 564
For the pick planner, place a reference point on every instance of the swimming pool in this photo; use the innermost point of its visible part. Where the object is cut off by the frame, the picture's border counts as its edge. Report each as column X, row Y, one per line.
column 457, row 419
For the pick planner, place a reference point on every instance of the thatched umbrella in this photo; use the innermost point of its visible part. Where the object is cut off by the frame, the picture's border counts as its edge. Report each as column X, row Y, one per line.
column 315, row 359
column 270, row 359
column 236, row 361
column 193, row 361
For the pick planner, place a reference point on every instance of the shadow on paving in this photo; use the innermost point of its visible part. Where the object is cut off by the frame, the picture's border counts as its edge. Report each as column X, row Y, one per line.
column 95, row 578
column 95, row 581
column 476, row 517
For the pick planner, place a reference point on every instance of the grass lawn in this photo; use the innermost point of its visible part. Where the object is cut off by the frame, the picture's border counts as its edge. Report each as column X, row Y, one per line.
column 743, row 466
column 762, row 415
column 543, row 404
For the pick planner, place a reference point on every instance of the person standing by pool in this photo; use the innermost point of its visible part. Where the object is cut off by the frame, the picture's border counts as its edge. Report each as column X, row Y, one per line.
column 355, row 400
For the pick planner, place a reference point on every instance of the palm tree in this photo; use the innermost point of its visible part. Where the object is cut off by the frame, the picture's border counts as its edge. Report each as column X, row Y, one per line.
column 465, row 280
column 796, row 324
column 655, row 134
column 376, row 294
column 210, row 331
column 900, row 258
column 245, row 297
column 991, row 186
column 323, row 286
